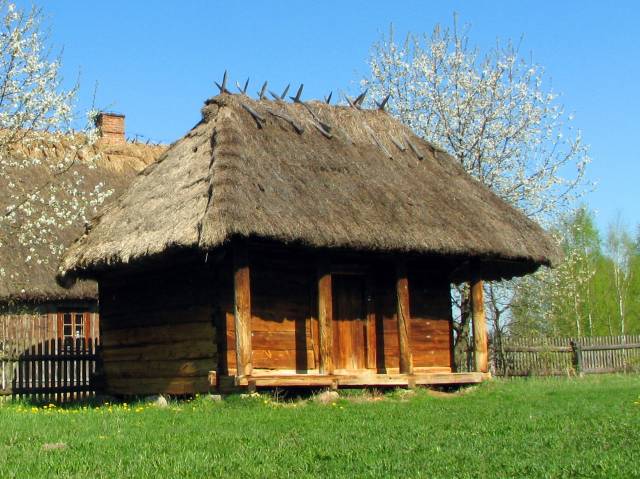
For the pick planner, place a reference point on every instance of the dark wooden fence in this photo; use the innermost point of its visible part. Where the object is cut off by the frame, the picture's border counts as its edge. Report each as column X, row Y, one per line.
column 38, row 365
column 553, row 356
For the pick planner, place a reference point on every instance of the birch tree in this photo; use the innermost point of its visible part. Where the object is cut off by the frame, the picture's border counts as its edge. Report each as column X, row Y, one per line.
column 494, row 111
column 621, row 249
column 36, row 114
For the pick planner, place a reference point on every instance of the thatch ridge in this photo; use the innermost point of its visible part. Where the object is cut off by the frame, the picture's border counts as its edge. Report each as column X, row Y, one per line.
column 115, row 166
column 320, row 175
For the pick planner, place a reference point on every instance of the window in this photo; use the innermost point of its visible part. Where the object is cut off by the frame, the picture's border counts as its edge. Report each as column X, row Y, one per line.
column 72, row 325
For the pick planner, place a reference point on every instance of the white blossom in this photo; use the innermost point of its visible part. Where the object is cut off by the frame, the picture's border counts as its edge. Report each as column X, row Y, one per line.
column 490, row 111
column 496, row 114
column 36, row 113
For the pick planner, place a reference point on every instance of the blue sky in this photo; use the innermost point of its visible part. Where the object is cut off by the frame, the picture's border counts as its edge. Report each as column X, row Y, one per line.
column 156, row 61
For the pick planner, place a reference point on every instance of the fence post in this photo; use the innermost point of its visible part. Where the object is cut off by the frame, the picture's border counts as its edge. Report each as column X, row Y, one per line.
column 577, row 357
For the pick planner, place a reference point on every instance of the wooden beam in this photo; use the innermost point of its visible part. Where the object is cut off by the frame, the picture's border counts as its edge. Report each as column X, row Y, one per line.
column 242, row 307
column 366, row 379
column 402, row 310
column 479, row 326
column 325, row 319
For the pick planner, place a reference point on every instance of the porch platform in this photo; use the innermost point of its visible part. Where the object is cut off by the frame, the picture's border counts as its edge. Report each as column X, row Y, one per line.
column 349, row 380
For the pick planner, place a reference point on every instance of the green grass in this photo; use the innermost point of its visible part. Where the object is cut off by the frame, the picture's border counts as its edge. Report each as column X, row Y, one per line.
column 586, row 427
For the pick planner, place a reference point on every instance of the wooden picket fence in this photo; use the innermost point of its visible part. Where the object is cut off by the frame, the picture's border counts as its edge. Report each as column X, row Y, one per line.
column 554, row 356
column 37, row 364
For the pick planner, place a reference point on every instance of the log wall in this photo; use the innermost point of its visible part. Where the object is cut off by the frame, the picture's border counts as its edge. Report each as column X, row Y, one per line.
column 283, row 319
column 431, row 321
column 158, row 332
column 159, row 329
column 430, row 324
column 284, row 309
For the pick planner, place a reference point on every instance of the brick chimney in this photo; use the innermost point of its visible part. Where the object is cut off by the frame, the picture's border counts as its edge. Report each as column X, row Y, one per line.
column 111, row 128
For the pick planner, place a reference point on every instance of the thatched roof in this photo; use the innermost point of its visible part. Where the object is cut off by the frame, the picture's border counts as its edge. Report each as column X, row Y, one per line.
column 115, row 166
column 257, row 168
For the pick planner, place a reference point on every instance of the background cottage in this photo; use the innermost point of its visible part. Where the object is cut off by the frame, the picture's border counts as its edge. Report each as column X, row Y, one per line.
column 38, row 318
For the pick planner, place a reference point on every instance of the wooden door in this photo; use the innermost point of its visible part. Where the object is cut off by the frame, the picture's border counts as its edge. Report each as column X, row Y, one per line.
column 349, row 322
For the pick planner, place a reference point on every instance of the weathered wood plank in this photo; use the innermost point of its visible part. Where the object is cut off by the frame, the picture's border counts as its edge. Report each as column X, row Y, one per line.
column 287, row 359
column 177, row 386
column 131, row 319
column 611, row 347
column 278, row 340
column 157, row 369
column 167, row 333
column 537, row 349
column 189, row 349
column 365, row 379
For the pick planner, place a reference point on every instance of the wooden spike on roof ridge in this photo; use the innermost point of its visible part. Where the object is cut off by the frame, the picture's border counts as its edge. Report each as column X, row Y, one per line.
column 223, row 87
column 413, row 148
column 321, row 129
column 350, row 102
column 284, row 93
column 297, row 127
column 400, row 146
column 376, row 140
column 296, row 99
column 383, row 103
column 244, row 89
column 277, row 97
column 259, row 119
column 360, row 98
column 325, row 127
column 262, row 90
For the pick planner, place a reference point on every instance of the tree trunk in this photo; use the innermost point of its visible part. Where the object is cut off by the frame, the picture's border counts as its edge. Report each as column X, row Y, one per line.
column 461, row 346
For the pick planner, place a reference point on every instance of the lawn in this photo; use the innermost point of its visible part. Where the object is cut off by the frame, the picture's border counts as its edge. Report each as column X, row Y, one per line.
column 587, row 427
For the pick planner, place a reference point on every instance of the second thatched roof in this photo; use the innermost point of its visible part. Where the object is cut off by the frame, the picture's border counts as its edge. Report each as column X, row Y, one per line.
column 320, row 175
column 113, row 166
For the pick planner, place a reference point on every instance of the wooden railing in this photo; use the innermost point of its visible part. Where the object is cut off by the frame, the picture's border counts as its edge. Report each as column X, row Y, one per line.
column 553, row 356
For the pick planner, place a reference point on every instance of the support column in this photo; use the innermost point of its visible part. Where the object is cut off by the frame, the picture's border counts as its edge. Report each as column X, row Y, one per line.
column 325, row 319
column 402, row 312
column 479, row 326
column 242, row 308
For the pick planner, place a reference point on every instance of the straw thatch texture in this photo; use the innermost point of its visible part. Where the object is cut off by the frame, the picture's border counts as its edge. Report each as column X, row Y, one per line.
column 368, row 184
column 115, row 165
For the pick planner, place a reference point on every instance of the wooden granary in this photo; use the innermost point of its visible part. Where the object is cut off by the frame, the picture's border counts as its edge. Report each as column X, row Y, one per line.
column 295, row 244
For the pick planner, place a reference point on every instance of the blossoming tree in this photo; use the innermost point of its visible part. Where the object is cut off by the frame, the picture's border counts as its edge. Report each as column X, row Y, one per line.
column 39, row 151
column 496, row 114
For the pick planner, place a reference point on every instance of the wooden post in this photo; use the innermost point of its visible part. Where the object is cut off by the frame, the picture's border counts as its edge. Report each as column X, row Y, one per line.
column 242, row 308
column 371, row 323
column 479, row 326
column 325, row 319
column 577, row 357
column 402, row 309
